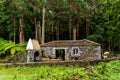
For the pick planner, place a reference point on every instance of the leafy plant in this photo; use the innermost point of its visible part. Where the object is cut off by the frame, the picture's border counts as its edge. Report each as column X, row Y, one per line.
column 10, row 48
column 102, row 71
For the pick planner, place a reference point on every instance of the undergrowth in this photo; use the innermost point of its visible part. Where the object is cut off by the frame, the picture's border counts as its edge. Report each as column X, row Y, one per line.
column 102, row 71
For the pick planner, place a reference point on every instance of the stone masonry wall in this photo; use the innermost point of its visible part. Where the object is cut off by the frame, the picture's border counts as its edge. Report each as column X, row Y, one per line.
column 85, row 52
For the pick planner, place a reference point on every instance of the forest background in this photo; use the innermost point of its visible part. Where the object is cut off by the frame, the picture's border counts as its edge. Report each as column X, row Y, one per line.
column 48, row 20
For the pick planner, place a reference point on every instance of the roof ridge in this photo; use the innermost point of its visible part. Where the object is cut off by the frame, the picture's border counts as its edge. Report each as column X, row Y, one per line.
column 70, row 43
column 91, row 41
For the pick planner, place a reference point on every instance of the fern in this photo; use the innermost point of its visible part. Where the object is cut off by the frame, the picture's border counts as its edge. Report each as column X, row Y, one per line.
column 9, row 47
column 13, row 50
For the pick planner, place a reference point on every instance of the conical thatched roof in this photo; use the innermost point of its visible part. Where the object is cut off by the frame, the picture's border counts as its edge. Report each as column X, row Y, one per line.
column 33, row 44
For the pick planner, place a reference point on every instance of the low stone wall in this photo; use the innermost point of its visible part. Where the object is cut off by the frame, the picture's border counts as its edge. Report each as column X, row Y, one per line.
column 19, row 57
column 81, row 63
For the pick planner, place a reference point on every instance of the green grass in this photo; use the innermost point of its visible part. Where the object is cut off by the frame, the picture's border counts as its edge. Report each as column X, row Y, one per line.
column 102, row 71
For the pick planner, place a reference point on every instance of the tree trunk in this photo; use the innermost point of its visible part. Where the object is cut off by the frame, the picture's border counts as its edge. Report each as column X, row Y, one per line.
column 87, row 26
column 119, row 48
column 14, row 30
column 21, row 37
column 109, row 46
column 52, row 36
column 77, row 29
column 70, row 26
column 43, row 26
column 36, row 29
column 57, row 33
column 74, row 33
column 39, row 32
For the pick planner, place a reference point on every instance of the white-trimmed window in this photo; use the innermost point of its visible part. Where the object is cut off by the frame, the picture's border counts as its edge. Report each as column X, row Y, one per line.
column 75, row 50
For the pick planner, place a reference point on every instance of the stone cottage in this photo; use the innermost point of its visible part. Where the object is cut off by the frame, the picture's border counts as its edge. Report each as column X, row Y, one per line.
column 67, row 50
column 33, row 51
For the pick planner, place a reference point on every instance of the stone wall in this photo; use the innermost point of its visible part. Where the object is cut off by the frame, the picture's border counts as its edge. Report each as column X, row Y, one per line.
column 80, row 63
column 85, row 52
column 90, row 52
column 20, row 57
column 51, row 51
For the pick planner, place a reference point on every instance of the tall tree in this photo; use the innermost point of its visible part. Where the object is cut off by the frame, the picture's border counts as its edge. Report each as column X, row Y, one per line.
column 80, row 9
column 43, row 26
column 21, row 32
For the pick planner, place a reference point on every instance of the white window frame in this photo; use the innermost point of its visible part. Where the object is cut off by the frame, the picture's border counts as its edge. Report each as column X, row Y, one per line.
column 74, row 49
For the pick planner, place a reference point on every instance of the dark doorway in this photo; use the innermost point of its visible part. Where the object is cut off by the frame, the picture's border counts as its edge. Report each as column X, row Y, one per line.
column 60, row 54
column 36, row 56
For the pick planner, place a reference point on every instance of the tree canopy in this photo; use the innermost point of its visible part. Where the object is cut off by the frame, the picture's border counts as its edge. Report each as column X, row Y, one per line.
column 97, row 20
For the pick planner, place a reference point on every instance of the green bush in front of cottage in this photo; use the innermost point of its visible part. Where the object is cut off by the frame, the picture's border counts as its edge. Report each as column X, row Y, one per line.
column 102, row 71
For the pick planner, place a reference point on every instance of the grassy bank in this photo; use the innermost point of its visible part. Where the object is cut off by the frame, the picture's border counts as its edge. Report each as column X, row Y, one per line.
column 102, row 71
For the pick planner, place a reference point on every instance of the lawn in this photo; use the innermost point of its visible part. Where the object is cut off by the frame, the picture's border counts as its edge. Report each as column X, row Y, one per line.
column 102, row 71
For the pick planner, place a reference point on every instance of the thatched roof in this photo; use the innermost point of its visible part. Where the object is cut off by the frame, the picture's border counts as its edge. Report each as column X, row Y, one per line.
column 33, row 44
column 63, row 43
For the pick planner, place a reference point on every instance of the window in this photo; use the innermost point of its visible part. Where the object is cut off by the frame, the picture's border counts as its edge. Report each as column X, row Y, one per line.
column 75, row 50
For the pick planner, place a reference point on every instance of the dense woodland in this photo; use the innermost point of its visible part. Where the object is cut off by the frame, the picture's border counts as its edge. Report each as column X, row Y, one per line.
column 48, row 20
